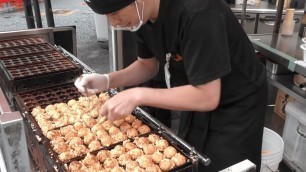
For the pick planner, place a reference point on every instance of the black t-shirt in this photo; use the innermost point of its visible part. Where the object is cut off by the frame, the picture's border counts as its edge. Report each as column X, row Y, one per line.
column 211, row 42
column 207, row 43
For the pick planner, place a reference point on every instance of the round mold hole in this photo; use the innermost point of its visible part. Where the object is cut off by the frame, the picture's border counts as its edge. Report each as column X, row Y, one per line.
column 47, row 92
column 50, row 95
column 40, row 98
column 42, row 102
column 70, row 91
column 60, row 93
column 25, row 96
column 53, row 99
column 29, row 105
column 37, row 94
column 63, row 97
column 74, row 94
column 27, row 100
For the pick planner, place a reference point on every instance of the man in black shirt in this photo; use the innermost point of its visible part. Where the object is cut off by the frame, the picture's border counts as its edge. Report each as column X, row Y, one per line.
column 215, row 77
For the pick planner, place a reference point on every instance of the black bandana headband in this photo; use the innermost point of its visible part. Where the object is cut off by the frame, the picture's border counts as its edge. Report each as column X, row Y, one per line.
column 107, row 6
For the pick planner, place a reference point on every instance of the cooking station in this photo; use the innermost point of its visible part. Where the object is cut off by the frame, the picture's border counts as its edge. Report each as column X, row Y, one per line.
column 37, row 76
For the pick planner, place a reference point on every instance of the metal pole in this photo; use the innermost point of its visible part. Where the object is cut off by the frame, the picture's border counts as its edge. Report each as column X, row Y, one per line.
column 28, row 14
column 278, row 18
column 49, row 13
column 243, row 12
column 37, row 13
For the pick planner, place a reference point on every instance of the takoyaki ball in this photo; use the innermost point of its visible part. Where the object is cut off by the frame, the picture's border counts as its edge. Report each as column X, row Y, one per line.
column 72, row 119
column 75, row 166
column 89, row 138
column 119, row 137
column 178, row 159
column 101, row 133
column 141, row 141
column 153, row 168
column 72, row 102
column 135, row 153
column 149, row 149
column 136, row 124
column 130, row 119
column 50, row 108
column 103, row 97
column 129, row 145
column 169, row 152
column 131, row 165
column 54, row 114
column 101, row 119
column 75, row 141
column 138, row 169
column 67, row 129
column 57, row 140
column 131, row 133
column 119, row 122
column 162, row 144
column 80, row 111
column 53, row 134
column 110, row 163
column 78, row 125
column 70, row 135
column 144, row 161
column 157, row 157
column 94, row 113
column 60, row 122
column 37, row 110
column 89, row 122
column 65, row 156
column 117, row 169
column 107, row 125
column 102, row 155
column 125, row 127
column 61, row 147
column 96, row 128
column 144, row 129
column 166, row 164
column 83, row 132
column 95, row 167
column 106, row 140
column 124, row 159
column 80, row 150
column 117, row 151
column 113, row 130
column 153, row 138
column 90, row 159
column 94, row 145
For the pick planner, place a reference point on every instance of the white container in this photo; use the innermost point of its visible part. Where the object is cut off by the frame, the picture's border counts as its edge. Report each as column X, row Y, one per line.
column 294, row 134
column 272, row 151
column 101, row 27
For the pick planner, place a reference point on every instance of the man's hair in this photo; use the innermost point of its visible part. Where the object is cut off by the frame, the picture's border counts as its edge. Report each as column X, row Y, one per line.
column 107, row 6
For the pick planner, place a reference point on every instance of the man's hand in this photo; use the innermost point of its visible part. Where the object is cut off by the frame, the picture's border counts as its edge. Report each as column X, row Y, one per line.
column 90, row 84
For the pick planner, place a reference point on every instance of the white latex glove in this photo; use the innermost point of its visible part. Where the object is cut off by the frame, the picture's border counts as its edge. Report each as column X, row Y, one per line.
column 93, row 83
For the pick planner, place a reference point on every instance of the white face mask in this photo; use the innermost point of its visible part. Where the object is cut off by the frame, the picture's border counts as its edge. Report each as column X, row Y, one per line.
column 133, row 28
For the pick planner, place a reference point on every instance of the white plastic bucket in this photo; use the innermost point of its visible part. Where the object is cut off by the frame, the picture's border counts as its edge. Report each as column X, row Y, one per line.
column 272, row 151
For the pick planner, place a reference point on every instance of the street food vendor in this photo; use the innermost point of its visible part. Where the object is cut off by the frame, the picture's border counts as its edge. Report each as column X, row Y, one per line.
column 211, row 70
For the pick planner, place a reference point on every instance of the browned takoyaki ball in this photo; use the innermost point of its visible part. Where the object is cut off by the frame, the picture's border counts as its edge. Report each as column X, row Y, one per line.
column 117, row 151
column 95, row 167
column 75, row 141
column 169, row 152
column 119, row 122
column 83, row 132
column 110, row 163
column 94, row 145
column 106, row 140
column 135, row 153
column 157, row 157
column 37, row 110
column 57, row 140
column 141, row 141
column 124, row 159
column 129, row 145
column 64, row 156
column 96, row 127
column 131, row 165
column 107, row 125
column 80, row 150
column 101, row 119
column 119, row 137
column 89, row 138
column 101, row 133
column 125, row 127
column 117, row 169
column 130, row 119
column 144, row 129
column 162, row 144
column 113, row 130
column 153, row 138
column 61, row 147
column 178, row 159
column 153, row 168
column 75, row 166
column 132, row 132
column 144, row 161
column 90, row 159
column 166, row 164
column 136, row 124
column 102, row 155
column 149, row 149
column 78, row 125
column 53, row 134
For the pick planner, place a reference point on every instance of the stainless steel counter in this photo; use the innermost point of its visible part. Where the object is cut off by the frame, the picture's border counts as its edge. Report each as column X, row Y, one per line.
column 285, row 51
column 263, row 7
